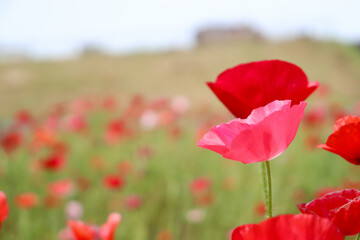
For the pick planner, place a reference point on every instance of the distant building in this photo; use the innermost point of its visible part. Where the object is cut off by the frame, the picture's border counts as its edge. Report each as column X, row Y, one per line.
column 214, row 35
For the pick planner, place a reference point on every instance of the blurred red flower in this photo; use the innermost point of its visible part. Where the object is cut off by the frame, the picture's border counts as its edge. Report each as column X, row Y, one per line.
column 133, row 202
column 251, row 85
column 23, row 117
column 84, row 231
column 199, row 185
column 43, row 136
column 286, row 227
column 109, row 103
column 260, row 209
column 337, row 111
column 264, row 135
column 341, row 207
column 116, row 129
column 76, row 123
column 345, row 140
column 4, row 208
column 54, row 162
column 315, row 117
column 26, row 200
column 62, row 188
column 114, row 182
column 10, row 141
column 311, row 142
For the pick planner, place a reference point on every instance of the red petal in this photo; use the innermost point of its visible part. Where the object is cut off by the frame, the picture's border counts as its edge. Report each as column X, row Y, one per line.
column 285, row 227
column 252, row 85
column 4, row 208
column 345, row 141
column 347, row 218
column 82, row 231
column 341, row 207
column 107, row 231
column 344, row 121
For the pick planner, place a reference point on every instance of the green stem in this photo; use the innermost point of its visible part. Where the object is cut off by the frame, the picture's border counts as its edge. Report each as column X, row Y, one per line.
column 266, row 176
column 357, row 237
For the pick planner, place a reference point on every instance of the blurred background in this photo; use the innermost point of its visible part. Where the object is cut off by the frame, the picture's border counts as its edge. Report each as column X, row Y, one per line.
column 110, row 98
column 169, row 43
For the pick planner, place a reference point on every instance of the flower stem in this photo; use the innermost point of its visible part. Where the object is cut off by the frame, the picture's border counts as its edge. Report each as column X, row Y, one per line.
column 266, row 176
column 358, row 237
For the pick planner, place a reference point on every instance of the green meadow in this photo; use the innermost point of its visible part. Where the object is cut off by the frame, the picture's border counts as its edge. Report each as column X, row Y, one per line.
column 162, row 178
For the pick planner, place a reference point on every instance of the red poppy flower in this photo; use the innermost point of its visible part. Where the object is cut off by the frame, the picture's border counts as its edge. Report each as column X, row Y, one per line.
column 4, row 208
column 62, row 188
column 199, row 185
column 23, row 117
column 264, row 135
column 116, row 129
column 286, row 227
column 26, row 200
column 251, row 85
column 54, row 162
column 114, row 182
column 83, row 231
column 260, row 209
column 43, row 137
column 315, row 117
column 341, row 207
column 345, row 140
column 11, row 141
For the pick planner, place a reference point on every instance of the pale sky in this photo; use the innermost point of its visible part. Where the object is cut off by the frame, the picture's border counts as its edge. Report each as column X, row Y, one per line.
column 61, row 27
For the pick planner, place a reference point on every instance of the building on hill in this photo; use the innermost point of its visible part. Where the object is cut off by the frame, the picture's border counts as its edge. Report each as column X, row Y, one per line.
column 215, row 35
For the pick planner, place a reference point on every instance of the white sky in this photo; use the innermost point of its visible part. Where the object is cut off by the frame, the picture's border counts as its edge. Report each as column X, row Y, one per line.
column 60, row 27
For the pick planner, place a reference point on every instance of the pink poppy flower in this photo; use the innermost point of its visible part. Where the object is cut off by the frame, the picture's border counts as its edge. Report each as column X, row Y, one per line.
column 76, row 123
column 264, row 135
column 133, row 202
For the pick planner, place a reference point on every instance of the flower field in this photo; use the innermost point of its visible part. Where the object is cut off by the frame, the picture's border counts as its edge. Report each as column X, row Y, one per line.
column 105, row 147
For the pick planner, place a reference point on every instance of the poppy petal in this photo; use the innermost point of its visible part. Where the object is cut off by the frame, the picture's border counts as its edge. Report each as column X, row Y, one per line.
column 285, row 227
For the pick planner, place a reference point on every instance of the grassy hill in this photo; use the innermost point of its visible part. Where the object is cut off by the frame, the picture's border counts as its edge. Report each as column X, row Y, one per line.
column 35, row 85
